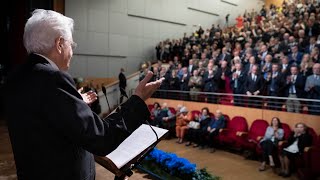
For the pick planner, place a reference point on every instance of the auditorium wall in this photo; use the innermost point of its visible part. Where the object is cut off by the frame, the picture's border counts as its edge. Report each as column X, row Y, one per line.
column 250, row 114
column 123, row 33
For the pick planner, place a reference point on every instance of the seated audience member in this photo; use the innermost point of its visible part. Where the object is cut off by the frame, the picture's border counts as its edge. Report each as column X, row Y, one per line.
column 297, row 141
column 269, row 142
column 193, row 134
column 213, row 130
column 155, row 110
column 182, row 124
column 170, row 124
column 163, row 115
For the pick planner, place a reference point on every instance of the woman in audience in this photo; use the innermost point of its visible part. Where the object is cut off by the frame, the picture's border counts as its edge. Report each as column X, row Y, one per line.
column 269, row 142
column 193, row 135
column 306, row 65
column 182, row 124
column 297, row 141
column 155, row 110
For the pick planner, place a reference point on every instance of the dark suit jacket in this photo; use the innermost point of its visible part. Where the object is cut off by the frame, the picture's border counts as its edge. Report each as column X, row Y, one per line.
column 210, row 84
column 278, row 84
column 299, row 85
column 53, row 132
column 304, row 140
column 253, row 86
column 241, row 82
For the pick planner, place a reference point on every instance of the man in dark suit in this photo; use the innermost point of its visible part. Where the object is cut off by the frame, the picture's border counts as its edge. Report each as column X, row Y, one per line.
column 224, row 56
column 294, row 87
column 210, row 83
column 191, row 67
column 53, row 131
column 122, row 85
column 274, row 83
column 295, row 56
column 237, row 83
column 253, row 86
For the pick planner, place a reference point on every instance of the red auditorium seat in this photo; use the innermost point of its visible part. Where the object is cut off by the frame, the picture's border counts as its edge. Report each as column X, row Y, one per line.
column 287, row 132
column 228, row 136
column 249, row 140
column 150, row 107
column 194, row 113
column 312, row 162
column 172, row 110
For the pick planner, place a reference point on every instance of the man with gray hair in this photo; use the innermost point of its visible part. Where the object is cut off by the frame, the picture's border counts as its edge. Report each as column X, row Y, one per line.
column 53, row 131
column 312, row 87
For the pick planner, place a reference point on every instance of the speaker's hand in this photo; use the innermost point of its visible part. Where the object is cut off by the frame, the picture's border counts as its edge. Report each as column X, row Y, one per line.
column 144, row 90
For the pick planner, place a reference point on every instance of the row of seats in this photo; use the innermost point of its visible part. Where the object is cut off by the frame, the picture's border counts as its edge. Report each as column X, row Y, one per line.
column 237, row 135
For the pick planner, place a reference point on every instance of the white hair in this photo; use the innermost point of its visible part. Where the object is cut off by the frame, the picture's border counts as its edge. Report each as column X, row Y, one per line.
column 42, row 29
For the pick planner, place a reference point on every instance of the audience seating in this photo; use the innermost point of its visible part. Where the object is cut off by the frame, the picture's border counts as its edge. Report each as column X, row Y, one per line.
column 235, row 135
column 249, row 140
column 228, row 136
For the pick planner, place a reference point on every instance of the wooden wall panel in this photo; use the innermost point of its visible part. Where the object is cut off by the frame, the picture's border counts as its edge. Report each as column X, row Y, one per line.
column 250, row 114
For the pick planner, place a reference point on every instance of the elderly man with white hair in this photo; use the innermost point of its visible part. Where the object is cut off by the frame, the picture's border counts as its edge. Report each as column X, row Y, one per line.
column 53, row 131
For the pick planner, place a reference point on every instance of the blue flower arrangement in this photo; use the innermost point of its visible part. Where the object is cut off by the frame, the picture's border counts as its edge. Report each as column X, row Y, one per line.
column 175, row 166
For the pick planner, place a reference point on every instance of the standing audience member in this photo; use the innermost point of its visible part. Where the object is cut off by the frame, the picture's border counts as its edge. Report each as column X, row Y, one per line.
column 294, row 89
column 312, row 88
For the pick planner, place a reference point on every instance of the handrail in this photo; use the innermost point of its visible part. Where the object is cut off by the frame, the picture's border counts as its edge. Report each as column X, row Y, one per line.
column 240, row 95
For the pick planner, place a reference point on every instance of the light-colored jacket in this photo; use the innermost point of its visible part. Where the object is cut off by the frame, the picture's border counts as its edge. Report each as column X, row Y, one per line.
column 269, row 135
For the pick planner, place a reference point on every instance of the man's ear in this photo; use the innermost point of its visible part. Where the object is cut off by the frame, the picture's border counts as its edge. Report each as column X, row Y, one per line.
column 59, row 44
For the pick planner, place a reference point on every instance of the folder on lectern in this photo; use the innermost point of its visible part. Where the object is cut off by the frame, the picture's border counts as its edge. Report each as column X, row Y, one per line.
column 132, row 149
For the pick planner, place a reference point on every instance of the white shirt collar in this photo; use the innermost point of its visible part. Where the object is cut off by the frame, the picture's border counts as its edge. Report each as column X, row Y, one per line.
column 50, row 62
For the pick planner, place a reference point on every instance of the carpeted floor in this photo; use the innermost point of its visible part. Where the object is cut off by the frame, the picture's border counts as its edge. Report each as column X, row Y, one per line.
column 227, row 165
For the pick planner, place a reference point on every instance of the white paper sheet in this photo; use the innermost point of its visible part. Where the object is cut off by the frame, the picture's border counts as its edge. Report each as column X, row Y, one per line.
column 137, row 142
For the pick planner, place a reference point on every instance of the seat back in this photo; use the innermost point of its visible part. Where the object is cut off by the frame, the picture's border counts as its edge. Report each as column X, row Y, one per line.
column 150, row 107
column 211, row 115
column 172, row 110
column 226, row 120
column 287, row 130
column 194, row 113
column 314, row 136
column 238, row 123
column 258, row 128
